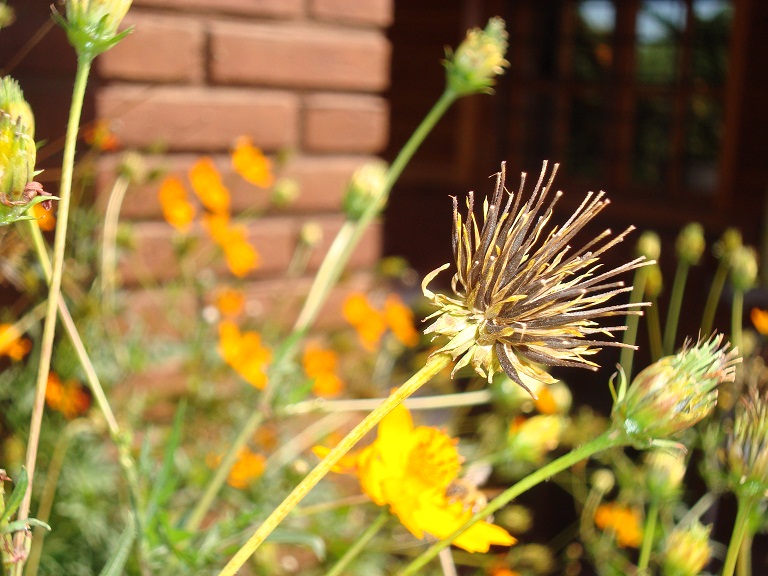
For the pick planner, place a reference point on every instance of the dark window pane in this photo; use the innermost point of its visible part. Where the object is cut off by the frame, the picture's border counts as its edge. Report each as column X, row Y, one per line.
column 711, row 36
column 659, row 28
column 593, row 49
column 587, row 138
column 703, row 137
column 653, row 121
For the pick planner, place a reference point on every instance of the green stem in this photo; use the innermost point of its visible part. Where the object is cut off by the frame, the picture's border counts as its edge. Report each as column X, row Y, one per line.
column 49, row 326
column 675, row 304
column 715, row 290
column 359, row 545
column 648, row 534
column 654, row 330
column 737, row 317
column 630, row 334
column 605, row 441
column 109, row 241
column 744, row 564
column 740, row 526
column 434, row 365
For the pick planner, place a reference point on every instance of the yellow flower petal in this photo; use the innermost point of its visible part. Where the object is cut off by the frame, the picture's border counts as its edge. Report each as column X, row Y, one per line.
column 207, row 185
column 177, row 210
column 251, row 164
column 760, row 320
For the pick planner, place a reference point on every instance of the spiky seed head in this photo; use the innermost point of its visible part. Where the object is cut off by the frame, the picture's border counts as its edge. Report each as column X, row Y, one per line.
column 747, row 445
column 478, row 59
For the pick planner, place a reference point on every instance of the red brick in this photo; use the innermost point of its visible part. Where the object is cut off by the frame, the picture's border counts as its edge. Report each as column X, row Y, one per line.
column 193, row 118
column 160, row 311
column 271, row 8
column 345, row 123
column 160, row 49
column 374, row 12
column 299, row 56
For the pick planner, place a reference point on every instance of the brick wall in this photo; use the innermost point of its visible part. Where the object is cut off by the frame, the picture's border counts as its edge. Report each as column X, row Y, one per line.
column 303, row 76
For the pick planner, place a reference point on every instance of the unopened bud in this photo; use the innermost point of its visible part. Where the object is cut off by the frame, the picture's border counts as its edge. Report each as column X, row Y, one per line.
column 690, row 244
column 747, row 445
column 744, row 268
column 728, row 243
column 478, row 59
column 664, row 471
column 285, row 192
column 12, row 103
column 649, row 245
column 686, row 551
column 366, row 187
column 654, row 281
column 91, row 25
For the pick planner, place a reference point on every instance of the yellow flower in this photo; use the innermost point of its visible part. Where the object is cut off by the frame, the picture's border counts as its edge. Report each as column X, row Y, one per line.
column 45, row 218
column 399, row 319
column 320, row 364
column 251, row 164
column 177, row 210
column 245, row 353
column 760, row 320
column 624, row 521
column 240, row 255
column 230, row 302
column 207, row 185
column 12, row 344
column 69, row 397
column 366, row 320
column 409, row 469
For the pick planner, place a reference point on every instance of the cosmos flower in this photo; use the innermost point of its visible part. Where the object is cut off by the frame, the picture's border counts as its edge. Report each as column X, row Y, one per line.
column 174, row 201
column 245, row 353
column 624, row 521
column 12, row 344
column 251, row 164
column 409, row 468
column 522, row 295
column 69, row 397
column 320, row 365
column 208, row 186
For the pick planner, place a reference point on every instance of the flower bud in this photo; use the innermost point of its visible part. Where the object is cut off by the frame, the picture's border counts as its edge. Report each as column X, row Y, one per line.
column 530, row 439
column 12, row 103
column 285, row 192
column 478, row 59
column 686, row 551
column 649, row 245
column 311, row 234
column 7, row 15
column 747, row 445
column 366, row 187
column 91, row 25
column 133, row 167
column 744, row 268
column 673, row 393
column 664, row 471
column 654, row 281
column 728, row 243
column 690, row 244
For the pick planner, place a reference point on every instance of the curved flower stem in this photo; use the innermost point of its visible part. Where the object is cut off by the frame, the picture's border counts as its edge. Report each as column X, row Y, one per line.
column 359, row 544
column 715, row 290
column 630, row 334
column 605, row 441
column 744, row 564
column 740, row 526
column 648, row 534
column 435, row 363
column 49, row 327
column 109, row 241
column 737, row 317
column 675, row 304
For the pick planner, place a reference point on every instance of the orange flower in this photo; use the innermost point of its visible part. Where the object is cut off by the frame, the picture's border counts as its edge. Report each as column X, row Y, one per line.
column 245, row 353
column 45, row 218
column 367, row 321
column 545, row 402
column 12, row 344
column 100, row 136
column 251, row 164
column 241, row 256
column 320, row 364
column 760, row 320
column 409, row 469
column 399, row 318
column 177, row 210
column 217, row 226
column 69, row 398
column 248, row 466
column 207, row 185
column 230, row 302
column 624, row 521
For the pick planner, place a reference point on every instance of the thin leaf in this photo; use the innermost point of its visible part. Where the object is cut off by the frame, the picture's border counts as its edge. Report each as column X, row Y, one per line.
column 166, row 480
column 14, row 501
column 116, row 563
column 20, row 525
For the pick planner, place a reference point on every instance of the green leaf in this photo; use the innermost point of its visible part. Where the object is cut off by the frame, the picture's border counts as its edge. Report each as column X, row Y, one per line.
column 165, row 483
column 120, row 554
column 14, row 501
column 19, row 525
column 311, row 541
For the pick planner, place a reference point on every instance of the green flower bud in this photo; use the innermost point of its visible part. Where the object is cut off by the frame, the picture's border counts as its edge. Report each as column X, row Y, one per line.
column 133, row 168
column 91, row 25
column 649, row 245
column 654, row 281
column 12, row 103
column 366, row 187
column 690, row 244
column 728, row 243
column 285, row 192
column 7, row 15
column 744, row 268
column 673, row 393
column 603, row 480
column 747, row 445
column 478, row 59
column 530, row 439
column 311, row 234
column 686, row 551
column 664, row 471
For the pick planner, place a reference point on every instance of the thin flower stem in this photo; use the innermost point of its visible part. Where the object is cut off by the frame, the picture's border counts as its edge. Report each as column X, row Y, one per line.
column 715, row 290
column 434, row 365
column 744, row 564
column 675, row 304
column 605, row 441
column 359, row 545
column 649, row 531
column 654, row 330
column 49, row 326
column 630, row 334
column 737, row 317
column 109, row 240
column 740, row 525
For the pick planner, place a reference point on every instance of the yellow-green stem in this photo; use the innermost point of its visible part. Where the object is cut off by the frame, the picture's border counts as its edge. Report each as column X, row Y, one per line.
column 49, row 326
column 436, row 363
column 737, row 318
column 605, row 441
column 740, row 526
column 649, row 531
column 359, row 545
column 744, row 563
column 654, row 330
column 715, row 290
column 109, row 241
column 675, row 304
column 630, row 334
